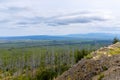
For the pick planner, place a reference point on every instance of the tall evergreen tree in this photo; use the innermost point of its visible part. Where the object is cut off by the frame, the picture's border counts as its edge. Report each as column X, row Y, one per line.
column 115, row 40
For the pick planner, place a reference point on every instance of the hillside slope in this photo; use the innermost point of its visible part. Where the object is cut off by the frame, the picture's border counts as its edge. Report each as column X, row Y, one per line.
column 103, row 64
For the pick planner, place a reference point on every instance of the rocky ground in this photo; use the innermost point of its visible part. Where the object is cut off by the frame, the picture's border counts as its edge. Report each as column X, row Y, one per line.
column 103, row 64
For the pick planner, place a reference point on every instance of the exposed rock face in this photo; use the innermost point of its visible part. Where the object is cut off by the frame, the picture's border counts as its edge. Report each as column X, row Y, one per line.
column 104, row 65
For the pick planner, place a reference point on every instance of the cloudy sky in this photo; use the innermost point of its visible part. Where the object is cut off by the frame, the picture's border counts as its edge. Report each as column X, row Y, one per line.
column 58, row 17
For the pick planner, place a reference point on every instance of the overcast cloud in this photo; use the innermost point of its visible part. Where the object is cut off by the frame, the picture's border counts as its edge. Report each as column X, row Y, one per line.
column 58, row 17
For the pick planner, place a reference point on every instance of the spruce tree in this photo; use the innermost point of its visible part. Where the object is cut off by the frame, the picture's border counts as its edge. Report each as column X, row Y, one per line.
column 115, row 40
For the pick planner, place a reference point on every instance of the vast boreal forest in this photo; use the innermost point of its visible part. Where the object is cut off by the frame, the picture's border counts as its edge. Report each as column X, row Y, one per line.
column 43, row 59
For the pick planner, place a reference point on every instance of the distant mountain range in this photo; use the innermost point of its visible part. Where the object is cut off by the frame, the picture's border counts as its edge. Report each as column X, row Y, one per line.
column 64, row 37
column 95, row 35
column 36, row 37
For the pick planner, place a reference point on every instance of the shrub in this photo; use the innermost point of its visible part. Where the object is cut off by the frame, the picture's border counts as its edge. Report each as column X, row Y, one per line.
column 89, row 56
column 50, row 73
column 79, row 54
column 104, row 68
column 101, row 76
column 47, row 74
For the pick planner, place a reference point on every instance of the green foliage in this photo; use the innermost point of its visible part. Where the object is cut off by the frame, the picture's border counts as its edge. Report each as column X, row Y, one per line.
column 114, row 51
column 115, row 40
column 79, row 54
column 50, row 73
column 22, row 78
column 89, row 56
column 101, row 76
column 104, row 68
column 47, row 74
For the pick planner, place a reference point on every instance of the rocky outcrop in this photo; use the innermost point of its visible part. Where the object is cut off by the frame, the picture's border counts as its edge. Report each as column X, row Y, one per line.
column 103, row 65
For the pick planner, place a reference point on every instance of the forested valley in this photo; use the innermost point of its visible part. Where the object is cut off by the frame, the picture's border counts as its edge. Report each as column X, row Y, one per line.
column 43, row 60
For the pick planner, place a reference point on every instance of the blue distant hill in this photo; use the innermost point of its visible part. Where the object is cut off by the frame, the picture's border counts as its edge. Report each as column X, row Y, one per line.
column 95, row 36
column 64, row 37
column 34, row 37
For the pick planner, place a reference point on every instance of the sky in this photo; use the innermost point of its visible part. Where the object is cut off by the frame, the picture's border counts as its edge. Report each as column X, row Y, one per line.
column 58, row 17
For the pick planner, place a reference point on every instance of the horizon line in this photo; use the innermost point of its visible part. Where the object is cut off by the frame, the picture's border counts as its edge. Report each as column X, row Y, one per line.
column 58, row 34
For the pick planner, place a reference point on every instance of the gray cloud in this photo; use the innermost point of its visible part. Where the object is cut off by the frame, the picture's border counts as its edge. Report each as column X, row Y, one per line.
column 74, row 20
column 16, row 9
column 66, row 19
column 4, row 21
column 12, row 9
column 30, row 21
column 109, row 28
